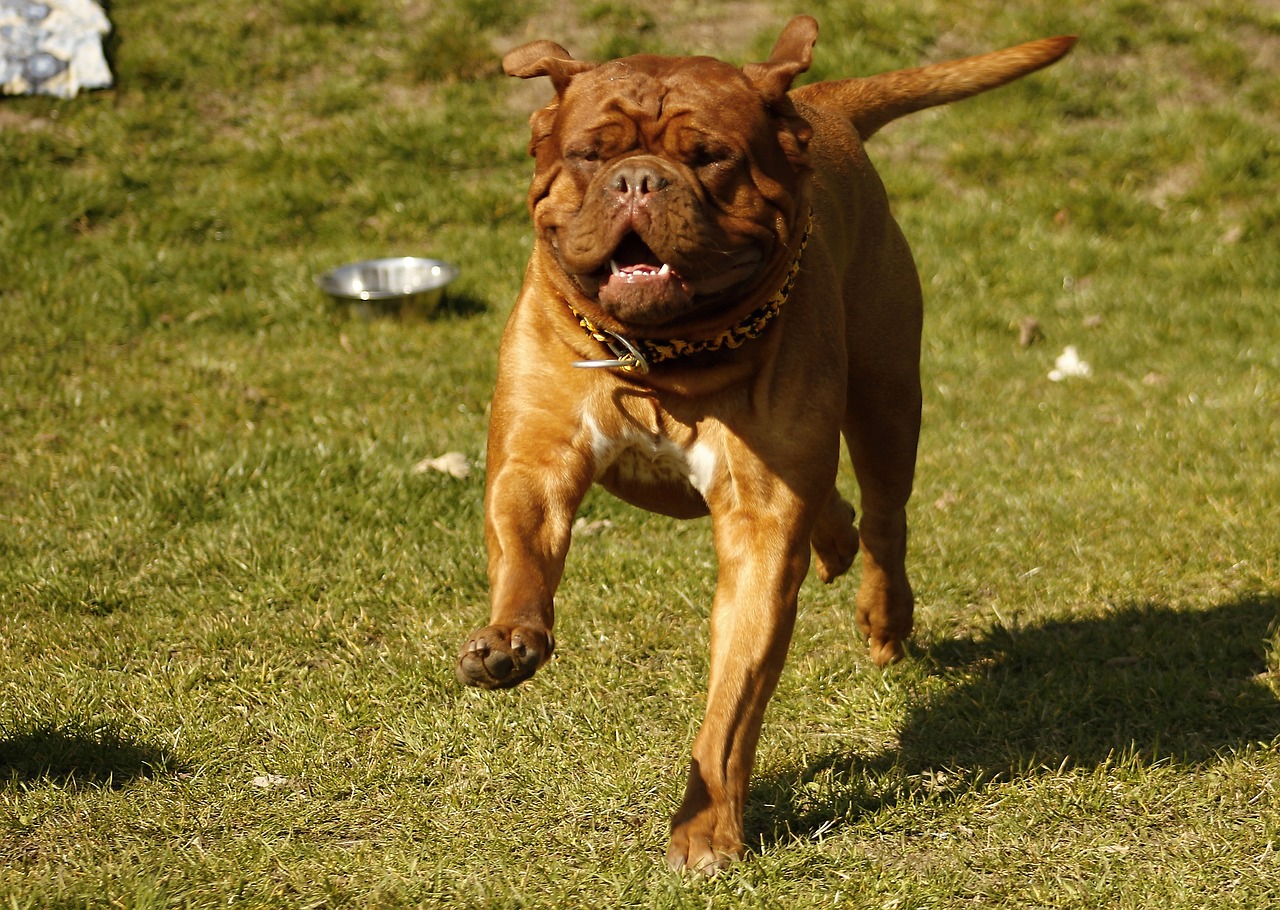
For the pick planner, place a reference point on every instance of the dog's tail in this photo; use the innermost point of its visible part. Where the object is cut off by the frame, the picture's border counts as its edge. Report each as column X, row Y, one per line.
column 873, row 101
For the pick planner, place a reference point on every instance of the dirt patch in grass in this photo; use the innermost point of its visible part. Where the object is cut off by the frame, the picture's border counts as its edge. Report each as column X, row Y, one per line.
column 722, row 30
column 22, row 121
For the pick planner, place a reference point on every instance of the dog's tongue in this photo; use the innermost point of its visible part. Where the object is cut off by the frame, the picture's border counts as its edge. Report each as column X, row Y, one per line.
column 645, row 294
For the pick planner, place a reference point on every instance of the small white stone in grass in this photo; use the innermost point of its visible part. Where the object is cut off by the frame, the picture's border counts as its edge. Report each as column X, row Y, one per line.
column 1069, row 365
column 454, row 464
column 584, row 528
column 270, row 781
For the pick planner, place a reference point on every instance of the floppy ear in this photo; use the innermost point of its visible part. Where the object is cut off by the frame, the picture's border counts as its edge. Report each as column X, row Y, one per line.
column 791, row 56
column 544, row 58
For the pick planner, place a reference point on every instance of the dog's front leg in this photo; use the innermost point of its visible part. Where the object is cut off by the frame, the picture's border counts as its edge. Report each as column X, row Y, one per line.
column 763, row 552
column 537, row 477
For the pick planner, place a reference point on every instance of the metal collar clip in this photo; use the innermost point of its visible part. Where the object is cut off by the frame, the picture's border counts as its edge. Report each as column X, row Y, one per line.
column 628, row 355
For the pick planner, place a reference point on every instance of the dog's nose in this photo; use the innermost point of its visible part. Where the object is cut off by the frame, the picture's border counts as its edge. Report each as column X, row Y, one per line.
column 637, row 181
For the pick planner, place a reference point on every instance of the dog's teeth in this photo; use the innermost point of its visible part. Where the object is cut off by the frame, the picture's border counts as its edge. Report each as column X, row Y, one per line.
column 665, row 270
column 613, row 267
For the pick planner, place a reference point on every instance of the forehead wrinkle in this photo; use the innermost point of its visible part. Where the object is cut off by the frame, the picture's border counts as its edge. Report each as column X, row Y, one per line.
column 644, row 102
column 634, row 94
column 635, row 111
column 674, row 124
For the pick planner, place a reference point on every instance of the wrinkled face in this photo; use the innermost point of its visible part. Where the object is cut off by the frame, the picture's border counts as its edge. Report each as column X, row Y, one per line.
column 665, row 188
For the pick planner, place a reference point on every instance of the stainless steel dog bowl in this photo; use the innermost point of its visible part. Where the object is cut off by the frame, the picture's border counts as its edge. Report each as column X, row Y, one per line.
column 399, row 286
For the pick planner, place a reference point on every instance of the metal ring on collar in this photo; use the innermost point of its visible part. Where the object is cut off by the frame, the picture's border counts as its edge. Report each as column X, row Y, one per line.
column 629, row 356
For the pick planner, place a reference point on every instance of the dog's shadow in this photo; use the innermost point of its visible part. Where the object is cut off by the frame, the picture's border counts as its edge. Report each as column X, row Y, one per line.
column 77, row 755
column 1146, row 682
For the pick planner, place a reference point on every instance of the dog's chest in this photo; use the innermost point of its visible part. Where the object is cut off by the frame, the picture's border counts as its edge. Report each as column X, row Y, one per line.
column 635, row 457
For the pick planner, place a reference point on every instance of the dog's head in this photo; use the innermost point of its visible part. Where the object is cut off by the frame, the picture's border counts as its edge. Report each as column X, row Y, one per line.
column 666, row 189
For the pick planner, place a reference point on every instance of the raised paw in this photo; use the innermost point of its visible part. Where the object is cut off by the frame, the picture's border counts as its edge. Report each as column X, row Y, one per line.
column 498, row 657
column 834, row 539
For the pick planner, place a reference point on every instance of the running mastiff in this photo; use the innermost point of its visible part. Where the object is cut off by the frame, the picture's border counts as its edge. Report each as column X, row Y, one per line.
column 717, row 293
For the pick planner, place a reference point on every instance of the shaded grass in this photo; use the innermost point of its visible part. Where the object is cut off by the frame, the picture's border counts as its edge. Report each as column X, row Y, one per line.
column 229, row 605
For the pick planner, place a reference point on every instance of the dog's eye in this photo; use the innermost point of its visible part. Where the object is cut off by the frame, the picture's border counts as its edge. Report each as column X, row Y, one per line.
column 584, row 155
column 708, row 155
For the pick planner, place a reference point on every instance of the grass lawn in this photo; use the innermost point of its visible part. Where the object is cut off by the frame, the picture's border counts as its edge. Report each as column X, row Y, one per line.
column 230, row 604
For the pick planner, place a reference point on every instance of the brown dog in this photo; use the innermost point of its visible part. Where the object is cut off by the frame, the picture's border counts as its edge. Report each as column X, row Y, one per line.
column 717, row 292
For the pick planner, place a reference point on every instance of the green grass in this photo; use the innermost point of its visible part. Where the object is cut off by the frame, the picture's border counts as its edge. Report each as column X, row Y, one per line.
column 229, row 606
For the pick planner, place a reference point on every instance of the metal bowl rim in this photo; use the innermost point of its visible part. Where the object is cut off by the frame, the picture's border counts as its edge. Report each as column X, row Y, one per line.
column 327, row 280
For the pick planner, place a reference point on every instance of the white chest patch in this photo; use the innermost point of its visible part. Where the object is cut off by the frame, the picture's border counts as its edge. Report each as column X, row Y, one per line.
column 638, row 457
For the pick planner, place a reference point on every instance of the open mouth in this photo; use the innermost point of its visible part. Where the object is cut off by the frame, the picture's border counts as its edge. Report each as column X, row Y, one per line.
column 638, row 286
column 633, row 264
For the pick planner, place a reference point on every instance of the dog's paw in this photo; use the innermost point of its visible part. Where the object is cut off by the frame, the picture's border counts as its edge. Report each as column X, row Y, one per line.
column 884, row 615
column 885, row 643
column 835, row 539
column 498, row 657
column 696, row 849
column 885, row 651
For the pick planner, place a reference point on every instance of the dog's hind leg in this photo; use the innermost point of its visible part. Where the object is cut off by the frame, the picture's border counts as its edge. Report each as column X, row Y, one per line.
column 882, row 431
column 835, row 538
